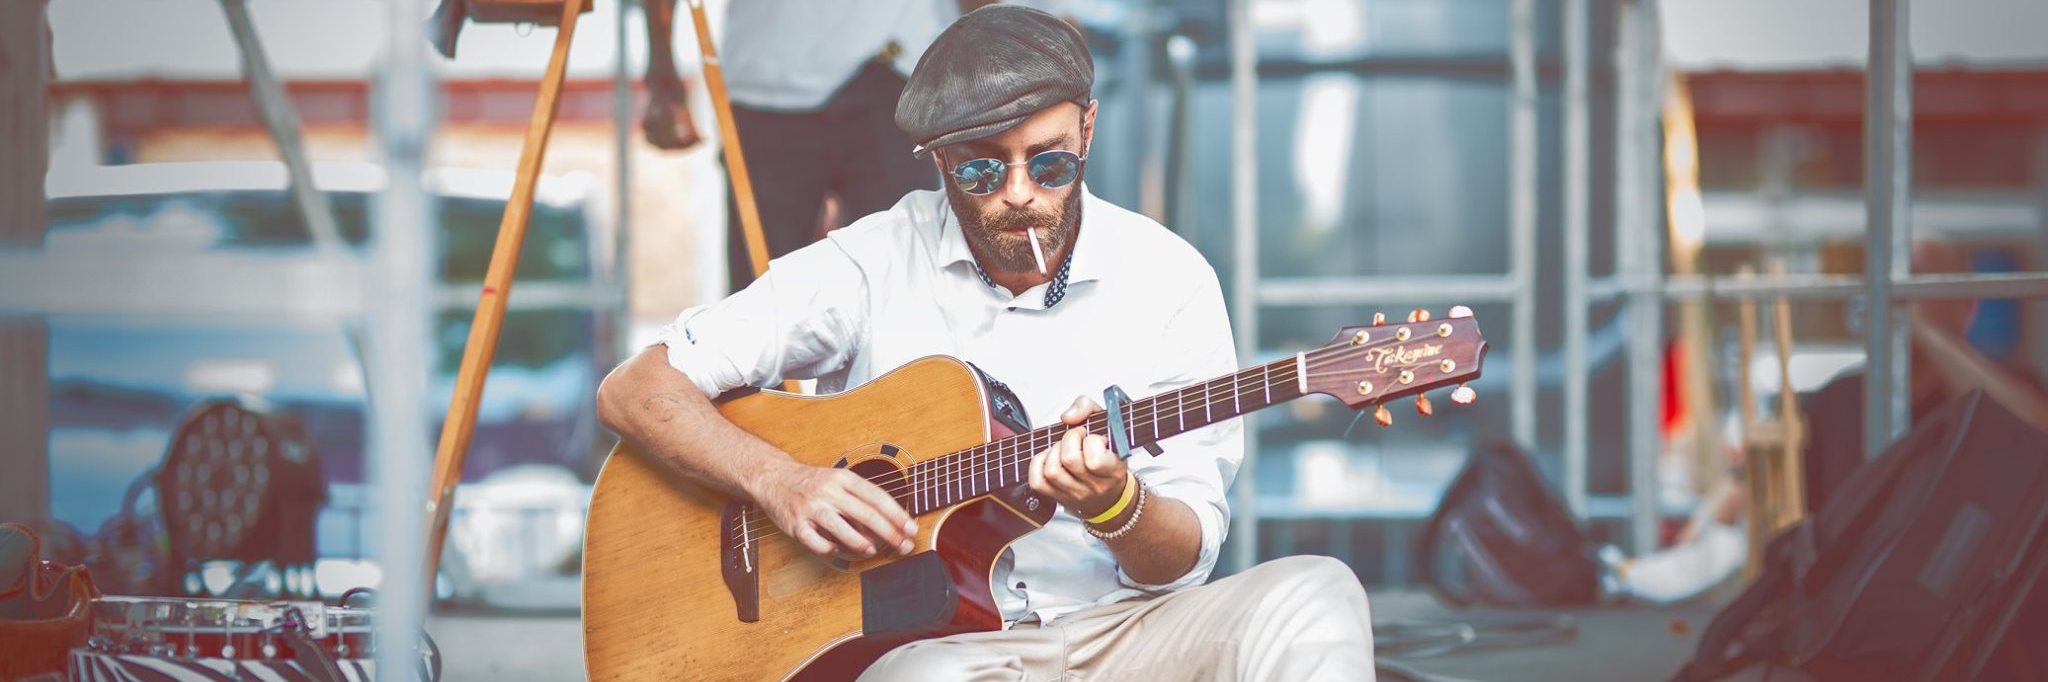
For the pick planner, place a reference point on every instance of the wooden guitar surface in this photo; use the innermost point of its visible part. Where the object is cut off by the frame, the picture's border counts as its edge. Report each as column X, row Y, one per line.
column 655, row 604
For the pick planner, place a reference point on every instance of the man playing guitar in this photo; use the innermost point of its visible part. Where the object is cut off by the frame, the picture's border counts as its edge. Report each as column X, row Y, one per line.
column 1018, row 269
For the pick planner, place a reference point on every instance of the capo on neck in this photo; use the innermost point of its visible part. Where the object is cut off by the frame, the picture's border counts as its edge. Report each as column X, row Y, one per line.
column 1113, row 400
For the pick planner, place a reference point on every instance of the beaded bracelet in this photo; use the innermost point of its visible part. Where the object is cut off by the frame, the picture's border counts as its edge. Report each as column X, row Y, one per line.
column 1128, row 523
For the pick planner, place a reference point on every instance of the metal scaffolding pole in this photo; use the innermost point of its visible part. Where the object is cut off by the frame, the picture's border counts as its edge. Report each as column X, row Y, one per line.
column 1522, row 221
column 2037, row 311
column 24, row 339
column 619, row 275
column 1887, row 189
column 1144, row 143
column 1841, row 287
column 1180, row 136
column 399, row 347
column 1244, row 292
column 1577, row 145
column 281, row 120
column 1635, row 224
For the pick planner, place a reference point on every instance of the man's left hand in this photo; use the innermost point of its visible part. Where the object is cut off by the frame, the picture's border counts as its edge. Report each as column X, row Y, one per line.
column 1079, row 471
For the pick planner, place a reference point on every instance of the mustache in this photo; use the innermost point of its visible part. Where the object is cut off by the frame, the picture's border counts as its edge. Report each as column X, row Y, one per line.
column 1018, row 219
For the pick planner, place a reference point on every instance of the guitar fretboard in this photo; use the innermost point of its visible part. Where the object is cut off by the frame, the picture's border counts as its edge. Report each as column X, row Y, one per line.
column 956, row 477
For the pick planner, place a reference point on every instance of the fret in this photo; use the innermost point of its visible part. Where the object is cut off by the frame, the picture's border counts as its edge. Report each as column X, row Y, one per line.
column 1155, row 418
column 1180, row 416
column 1268, row 381
column 1236, row 392
column 1208, row 404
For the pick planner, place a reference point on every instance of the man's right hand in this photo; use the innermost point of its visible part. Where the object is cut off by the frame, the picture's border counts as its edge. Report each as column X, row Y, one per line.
column 833, row 511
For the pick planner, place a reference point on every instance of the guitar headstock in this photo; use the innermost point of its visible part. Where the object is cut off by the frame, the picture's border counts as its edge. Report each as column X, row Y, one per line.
column 1370, row 366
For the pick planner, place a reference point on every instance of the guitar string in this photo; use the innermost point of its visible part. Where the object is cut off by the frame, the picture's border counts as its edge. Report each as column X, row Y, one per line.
column 979, row 464
column 981, row 460
column 1032, row 442
column 1180, row 402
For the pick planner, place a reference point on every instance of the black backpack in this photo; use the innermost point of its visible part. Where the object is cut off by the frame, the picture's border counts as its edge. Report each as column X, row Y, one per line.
column 1913, row 570
column 1512, row 541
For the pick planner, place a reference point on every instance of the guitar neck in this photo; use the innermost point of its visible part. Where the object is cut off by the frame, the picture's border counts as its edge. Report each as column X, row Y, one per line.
column 956, row 477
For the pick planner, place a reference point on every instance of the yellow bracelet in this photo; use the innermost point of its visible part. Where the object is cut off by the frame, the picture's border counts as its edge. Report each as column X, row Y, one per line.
column 1130, row 490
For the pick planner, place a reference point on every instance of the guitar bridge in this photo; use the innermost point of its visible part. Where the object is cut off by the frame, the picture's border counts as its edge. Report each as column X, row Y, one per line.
column 739, row 559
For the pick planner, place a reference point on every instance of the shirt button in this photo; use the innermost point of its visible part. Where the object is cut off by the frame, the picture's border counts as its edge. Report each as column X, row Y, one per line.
column 1020, row 584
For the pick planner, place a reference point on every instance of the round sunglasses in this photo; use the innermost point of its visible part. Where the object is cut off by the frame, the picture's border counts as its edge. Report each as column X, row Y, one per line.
column 1050, row 169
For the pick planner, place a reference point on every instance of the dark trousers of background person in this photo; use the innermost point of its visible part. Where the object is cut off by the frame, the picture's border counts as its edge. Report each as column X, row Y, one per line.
column 850, row 148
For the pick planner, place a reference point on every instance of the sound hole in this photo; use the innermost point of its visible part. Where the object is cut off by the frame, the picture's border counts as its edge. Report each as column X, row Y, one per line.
column 886, row 475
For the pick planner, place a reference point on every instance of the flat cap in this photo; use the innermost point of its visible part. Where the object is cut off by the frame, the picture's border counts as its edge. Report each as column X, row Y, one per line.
column 990, row 70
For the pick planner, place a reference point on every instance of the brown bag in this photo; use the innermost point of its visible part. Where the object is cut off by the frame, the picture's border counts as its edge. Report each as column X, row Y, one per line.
column 49, row 613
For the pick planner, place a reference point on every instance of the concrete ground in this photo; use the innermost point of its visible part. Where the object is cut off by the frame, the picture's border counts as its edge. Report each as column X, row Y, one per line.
column 1622, row 643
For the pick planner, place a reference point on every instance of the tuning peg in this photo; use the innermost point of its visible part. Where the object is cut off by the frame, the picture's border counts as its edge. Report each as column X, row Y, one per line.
column 1464, row 395
column 1381, row 415
column 1422, row 405
column 1379, row 319
column 1418, row 315
column 1458, row 311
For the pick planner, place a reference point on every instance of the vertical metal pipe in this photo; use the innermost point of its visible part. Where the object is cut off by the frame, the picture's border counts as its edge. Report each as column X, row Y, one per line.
column 1244, row 292
column 2037, row 309
column 1887, row 192
column 1637, row 251
column 1143, row 137
column 400, row 344
column 1180, row 178
column 619, row 275
column 1577, row 145
column 1522, row 220
column 24, row 341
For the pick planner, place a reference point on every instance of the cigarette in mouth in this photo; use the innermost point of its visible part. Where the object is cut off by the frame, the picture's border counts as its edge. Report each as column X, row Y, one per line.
column 1031, row 235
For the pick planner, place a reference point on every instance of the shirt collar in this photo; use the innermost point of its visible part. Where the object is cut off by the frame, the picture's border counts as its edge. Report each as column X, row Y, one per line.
column 1084, row 262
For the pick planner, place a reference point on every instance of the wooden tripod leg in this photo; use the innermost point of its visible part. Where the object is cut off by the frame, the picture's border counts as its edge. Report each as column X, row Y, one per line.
column 735, row 156
column 1754, row 479
column 490, row 307
column 728, row 131
column 1791, row 463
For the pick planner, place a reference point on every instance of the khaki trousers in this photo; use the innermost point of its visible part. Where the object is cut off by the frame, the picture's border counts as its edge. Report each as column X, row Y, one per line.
column 1295, row 619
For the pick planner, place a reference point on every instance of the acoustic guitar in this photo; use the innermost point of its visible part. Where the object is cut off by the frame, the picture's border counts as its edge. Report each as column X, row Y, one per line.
column 683, row 582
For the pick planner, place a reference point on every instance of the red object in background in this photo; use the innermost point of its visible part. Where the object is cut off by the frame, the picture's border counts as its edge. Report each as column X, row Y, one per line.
column 45, row 614
column 1674, row 388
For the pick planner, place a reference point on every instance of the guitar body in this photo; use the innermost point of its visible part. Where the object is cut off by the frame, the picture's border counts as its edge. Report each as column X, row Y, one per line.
column 671, row 591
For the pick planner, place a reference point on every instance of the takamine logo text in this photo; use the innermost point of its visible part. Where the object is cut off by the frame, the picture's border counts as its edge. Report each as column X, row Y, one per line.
column 1401, row 356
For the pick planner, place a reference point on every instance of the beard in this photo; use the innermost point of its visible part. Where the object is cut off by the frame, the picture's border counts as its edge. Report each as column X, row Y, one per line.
column 992, row 233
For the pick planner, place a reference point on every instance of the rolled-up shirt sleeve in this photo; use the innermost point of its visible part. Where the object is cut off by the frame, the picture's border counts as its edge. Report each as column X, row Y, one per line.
column 801, row 319
column 1197, row 467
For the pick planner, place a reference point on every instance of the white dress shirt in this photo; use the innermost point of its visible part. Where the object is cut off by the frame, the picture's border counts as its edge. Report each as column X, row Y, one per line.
column 792, row 55
column 1140, row 309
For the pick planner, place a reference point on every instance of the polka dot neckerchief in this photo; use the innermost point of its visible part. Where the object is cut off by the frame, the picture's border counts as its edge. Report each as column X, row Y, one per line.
column 1054, row 290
